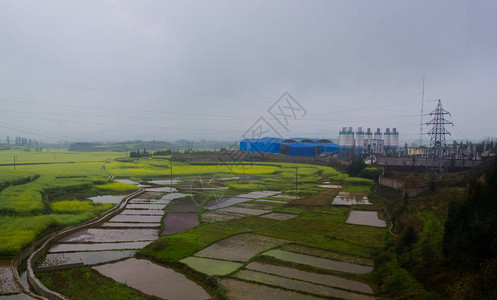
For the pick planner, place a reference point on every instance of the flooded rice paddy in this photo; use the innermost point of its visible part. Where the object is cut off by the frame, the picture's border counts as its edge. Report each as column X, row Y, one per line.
column 87, row 258
column 319, row 262
column 323, row 279
column 164, row 189
column 97, row 246
column 344, row 198
column 153, row 279
column 226, row 202
column 136, row 219
column 179, row 222
column 210, row 266
column 243, row 290
column 330, row 186
column 101, row 235
column 184, row 205
column 240, row 247
column 129, row 225
column 144, row 212
column 368, row 218
column 298, row 285
column 107, row 199
column 146, row 206
column 165, row 181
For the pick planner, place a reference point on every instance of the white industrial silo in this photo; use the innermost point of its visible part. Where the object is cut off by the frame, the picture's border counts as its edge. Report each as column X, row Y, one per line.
column 386, row 138
column 377, row 134
column 394, row 138
column 350, row 138
column 359, row 138
column 342, row 136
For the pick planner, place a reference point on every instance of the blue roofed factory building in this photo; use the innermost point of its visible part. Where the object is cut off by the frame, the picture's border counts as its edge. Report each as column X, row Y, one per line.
column 292, row 147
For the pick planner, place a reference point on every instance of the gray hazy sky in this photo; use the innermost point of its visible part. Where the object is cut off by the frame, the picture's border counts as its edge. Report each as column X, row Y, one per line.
column 114, row 70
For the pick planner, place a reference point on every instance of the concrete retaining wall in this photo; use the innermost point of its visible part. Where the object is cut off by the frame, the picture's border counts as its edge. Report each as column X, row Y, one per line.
column 36, row 251
column 423, row 162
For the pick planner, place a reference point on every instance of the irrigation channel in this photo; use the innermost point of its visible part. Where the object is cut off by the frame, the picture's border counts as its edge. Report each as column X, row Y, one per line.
column 110, row 243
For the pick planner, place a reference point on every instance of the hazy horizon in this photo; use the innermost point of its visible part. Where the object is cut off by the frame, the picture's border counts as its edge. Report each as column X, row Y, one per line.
column 170, row 70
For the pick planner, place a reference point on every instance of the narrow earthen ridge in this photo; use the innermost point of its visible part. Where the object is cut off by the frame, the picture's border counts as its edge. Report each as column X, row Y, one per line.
column 34, row 252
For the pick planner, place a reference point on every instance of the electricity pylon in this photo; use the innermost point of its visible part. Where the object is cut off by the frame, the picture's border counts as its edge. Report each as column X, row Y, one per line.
column 437, row 152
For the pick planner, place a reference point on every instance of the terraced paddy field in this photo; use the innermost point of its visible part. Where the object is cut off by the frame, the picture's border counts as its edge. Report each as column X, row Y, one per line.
column 254, row 234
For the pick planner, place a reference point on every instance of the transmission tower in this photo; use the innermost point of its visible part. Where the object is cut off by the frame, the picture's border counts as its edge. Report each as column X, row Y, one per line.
column 437, row 154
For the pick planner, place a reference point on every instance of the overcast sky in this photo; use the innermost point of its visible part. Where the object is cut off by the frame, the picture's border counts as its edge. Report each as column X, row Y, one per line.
column 165, row 70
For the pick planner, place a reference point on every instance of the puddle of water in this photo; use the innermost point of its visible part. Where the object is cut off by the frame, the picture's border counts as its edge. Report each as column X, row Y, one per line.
column 217, row 216
column 318, row 262
column 87, row 258
column 146, row 206
column 330, row 186
column 130, row 225
column 101, row 235
column 245, row 211
column 211, row 266
column 24, row 278
column 132, row 182
column 368, row 218
column 136, row 219
column 174, row 223
column 143, row 212
column 7, row 282
column 165, row 181
column 165, row 189
column 297, row 285
column 107, row 199
column 240, row 247
column 243, row 290
column 97, row 247
column 227, row 178
column 153, row 279
column 341, row 200
column 279, row 216
column 323, row 279
column 221, row 203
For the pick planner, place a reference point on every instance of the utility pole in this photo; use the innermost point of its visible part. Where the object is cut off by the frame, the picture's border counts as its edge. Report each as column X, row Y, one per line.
column 422, row 112
column 171, row 169
column 14, row 162
column 296, row 182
